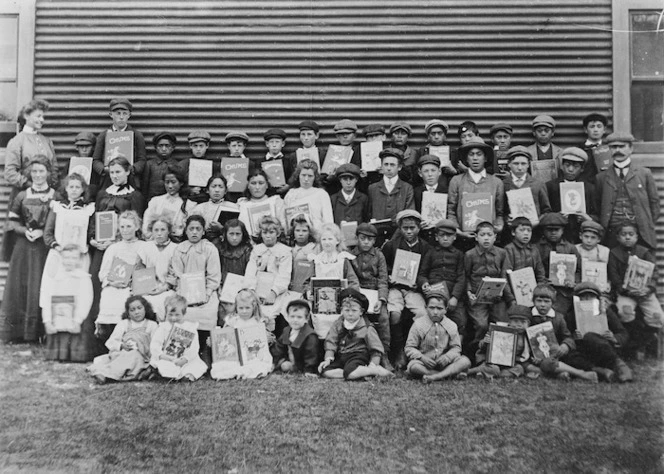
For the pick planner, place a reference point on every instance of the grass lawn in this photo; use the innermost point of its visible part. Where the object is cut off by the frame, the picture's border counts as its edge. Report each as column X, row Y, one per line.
column 55, row 419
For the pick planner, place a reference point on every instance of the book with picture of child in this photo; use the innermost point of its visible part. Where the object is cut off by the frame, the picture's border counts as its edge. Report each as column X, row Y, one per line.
column 120, row 272
column 522, row 204
column 562, row 269
column 523, row 284
column 434, row 206
column 542, row 340
column 588, row 316
column 240, row 345
column 336, row 156
column 81, row 165
column 638, row 275
column 369, row 153
column 572, row 198
column 63, row 309
column 490, row 290
column 405, row 267
column 119, row 144
column 192, row 288
column 502, row 345
column 178, row 341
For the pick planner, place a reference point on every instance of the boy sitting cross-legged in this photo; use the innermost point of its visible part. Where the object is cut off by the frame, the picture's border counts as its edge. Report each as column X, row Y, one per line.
column 433, row 347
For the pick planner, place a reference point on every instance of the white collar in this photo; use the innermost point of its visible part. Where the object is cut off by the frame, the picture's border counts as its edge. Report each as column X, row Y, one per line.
column 115, row 129
column 476, row 176
column 431, row 189
column 544, row 148
column 550, row 314
column 623, row 164
column 589, row 142
column 28, row 129
column 348, row 197
column 518, row 180
column 269, row 157
column 390, row 181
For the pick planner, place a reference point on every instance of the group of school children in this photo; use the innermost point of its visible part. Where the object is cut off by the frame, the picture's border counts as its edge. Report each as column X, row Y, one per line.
column 434, row 329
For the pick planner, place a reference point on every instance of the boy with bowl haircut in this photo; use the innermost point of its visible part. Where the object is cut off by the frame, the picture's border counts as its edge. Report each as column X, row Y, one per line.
column 444, row 263
column 594, row 126
column 556, row 364
column 544, row 127
column 501, row 138
column 521, row 252
column 573, row 160
column 485, row 260
column 433, row 347
column 297, row 348
column 552, row 240
column 153, row 171
column 120, row 113
column 401, row 296
column 371, row 269
column 650, row 318
column 519, row 318
column 199, row 142
column 627, row 191
column 349, row 204
column 475, row 153
column 599, row 352
column 352, row 346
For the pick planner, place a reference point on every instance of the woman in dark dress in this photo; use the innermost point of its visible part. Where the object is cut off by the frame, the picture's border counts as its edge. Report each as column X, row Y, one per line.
column 20, row 313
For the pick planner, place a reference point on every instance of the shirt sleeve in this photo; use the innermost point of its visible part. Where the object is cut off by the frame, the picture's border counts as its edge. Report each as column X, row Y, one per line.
column 114, row 343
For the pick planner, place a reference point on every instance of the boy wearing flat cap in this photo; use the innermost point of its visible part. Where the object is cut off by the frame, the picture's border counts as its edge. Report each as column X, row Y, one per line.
column 199, row 142
column 296, row 350
column 275, row 140
column 522, row 252
column 309, row 135
column 401, row 296
column 501, row 137
column 627, row 192
column 346, row 131
column 120, row 112
column 429, row 171
column 436, row 132
column 352, row 346
column 371, row 269
column 476, row 154
column 573, row 160
column 433, row 347
column 152, row 172
column 590, row 248
column 349, row 204
column 594, row 126
column 443, row 266
column 85, row 144
column 544, row 127
column 399, row 133
column 374, row 132
column 552, row 240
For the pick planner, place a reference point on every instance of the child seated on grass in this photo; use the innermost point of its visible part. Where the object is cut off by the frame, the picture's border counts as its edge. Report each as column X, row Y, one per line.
column 129, row 344
column 247, row 314
column 556, row 364
column 519, row 318
column 352, row 346
column 649, row 319
column 297, row 349
column 433, row 346
column 187, row 364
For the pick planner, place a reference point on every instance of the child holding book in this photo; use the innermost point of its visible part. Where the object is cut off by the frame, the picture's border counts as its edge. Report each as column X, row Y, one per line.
column 173, row 205
column 305, row 192
column 590, row 248
column 297, row 349
column 118, row 263
column 174, row 347
column 275, row 141
column 309, row 135
column 234, row 252
column 195, row 273
column 501, row 138
column 257, row 202
column 303, row 246
column 556, row 363
column 519, row 319
column 399, row 133
column 433, row 347
column 120, row 113
column 544, row 127
column 199, row 142
column 160, row 250
column 521, row 252
column 129, row 344
column 65, row 300
column 269, row 272
column 434, row 182
column 436, row 132
column 349, row 204
column 553, row 225
column 650, row 317
column 217, row 210
column 400, row 295
column 371, row 269
column 85, row 142
column 352, row 346
column 486, row 260
column 443, row 269
column 247, row 315
column 153, row 171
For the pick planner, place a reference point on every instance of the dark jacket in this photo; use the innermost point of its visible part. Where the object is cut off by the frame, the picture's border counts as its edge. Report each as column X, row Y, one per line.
column 619, row 262
column 443, row 184
column 386, row 205
column 151, row 174
column 356, row 210
column 573, row 227
column 306, row 354
column 99, row 175
column 371, row 270
column 444, row 264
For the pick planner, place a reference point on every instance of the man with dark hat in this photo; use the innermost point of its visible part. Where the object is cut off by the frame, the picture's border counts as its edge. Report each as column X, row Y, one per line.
column 120, row 112
column 627, row 192
column 349, row 204
column 573, row 160
column 352, row 347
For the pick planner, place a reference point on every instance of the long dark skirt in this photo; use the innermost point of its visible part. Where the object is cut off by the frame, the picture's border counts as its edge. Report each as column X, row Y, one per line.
column 20, row 313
